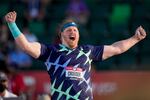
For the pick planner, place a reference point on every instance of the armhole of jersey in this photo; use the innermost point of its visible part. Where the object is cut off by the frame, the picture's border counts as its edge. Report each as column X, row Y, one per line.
column 43, row 53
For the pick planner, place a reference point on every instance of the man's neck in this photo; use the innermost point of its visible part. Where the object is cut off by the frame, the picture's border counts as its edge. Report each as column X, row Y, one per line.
column 70, row 47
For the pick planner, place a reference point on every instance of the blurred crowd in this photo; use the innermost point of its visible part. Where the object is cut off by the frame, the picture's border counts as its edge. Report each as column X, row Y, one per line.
column 34, row 13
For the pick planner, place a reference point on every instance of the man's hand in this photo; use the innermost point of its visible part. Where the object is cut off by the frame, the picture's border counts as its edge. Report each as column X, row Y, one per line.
column 10, row 17
column 140, row 33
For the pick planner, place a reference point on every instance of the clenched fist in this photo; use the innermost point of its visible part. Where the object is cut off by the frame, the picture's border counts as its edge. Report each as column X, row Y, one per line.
column 10, row 17
column 140, row 33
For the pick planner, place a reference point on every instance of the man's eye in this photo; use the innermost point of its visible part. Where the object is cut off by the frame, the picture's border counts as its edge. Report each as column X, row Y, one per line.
column 75, row 30
column 68, row 30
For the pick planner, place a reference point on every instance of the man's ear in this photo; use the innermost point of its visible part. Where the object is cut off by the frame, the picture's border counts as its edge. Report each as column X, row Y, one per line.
column 60, row 36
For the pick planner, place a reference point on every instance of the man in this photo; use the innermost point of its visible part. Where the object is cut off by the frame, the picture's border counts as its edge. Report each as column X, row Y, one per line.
column 69, row 64
column 4, row 93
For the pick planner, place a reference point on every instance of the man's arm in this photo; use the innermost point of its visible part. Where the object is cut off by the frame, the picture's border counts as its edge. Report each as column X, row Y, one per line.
column 32, row 48
column 122, row 46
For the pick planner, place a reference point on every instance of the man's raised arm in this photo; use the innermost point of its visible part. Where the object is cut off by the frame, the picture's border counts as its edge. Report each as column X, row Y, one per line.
column 122, row 46
column 32, row 48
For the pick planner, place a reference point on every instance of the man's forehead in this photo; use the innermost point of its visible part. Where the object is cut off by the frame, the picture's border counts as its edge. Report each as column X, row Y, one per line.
column 71, row 27
column 69, row 24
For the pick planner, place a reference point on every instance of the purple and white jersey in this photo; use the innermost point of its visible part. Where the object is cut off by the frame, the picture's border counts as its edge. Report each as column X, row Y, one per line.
column 70, row 70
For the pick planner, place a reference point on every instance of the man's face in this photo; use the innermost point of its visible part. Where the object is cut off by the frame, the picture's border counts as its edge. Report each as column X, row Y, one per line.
column 70, row 37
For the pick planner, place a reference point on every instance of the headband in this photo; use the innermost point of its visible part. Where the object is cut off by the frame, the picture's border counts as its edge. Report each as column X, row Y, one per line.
column 68, row 25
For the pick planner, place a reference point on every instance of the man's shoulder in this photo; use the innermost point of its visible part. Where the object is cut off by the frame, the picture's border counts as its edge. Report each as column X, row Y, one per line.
column 91, row 47
column 49, row 46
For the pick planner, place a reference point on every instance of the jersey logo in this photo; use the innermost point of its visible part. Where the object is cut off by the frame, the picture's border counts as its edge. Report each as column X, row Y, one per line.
column 74, row 73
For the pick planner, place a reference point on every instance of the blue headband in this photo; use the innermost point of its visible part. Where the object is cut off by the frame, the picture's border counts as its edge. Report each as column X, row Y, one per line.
column 68, row 25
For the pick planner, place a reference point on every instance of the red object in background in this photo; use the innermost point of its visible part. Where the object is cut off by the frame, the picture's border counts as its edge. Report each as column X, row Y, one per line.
column 17, row 84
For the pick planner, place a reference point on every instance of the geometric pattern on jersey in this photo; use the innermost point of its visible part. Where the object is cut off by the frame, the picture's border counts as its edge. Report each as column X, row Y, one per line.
column 58, row 58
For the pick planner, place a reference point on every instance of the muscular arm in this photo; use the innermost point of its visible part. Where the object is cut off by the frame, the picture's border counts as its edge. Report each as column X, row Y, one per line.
column 32, row 48
column 122, row 46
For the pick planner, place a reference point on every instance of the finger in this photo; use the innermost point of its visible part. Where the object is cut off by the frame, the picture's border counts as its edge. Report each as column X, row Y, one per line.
column 14, row 12
column 141, row 26
column 142, row 33
column 142, row 30
column 12, row 15
column 139, row 34
column 9, row 15
column 138, row 28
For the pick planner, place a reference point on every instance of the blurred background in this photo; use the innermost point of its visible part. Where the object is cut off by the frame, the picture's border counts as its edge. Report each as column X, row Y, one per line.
column 123, row 77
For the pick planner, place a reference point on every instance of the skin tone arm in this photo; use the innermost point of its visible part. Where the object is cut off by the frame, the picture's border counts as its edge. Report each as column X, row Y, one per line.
column 122, row 46
column 32, row 48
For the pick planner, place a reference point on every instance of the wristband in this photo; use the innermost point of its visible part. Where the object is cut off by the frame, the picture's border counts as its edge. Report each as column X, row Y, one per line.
column 68, row 25
column 14, row 29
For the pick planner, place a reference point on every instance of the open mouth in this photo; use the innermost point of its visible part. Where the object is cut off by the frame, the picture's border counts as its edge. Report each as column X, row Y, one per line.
column 72, row 38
